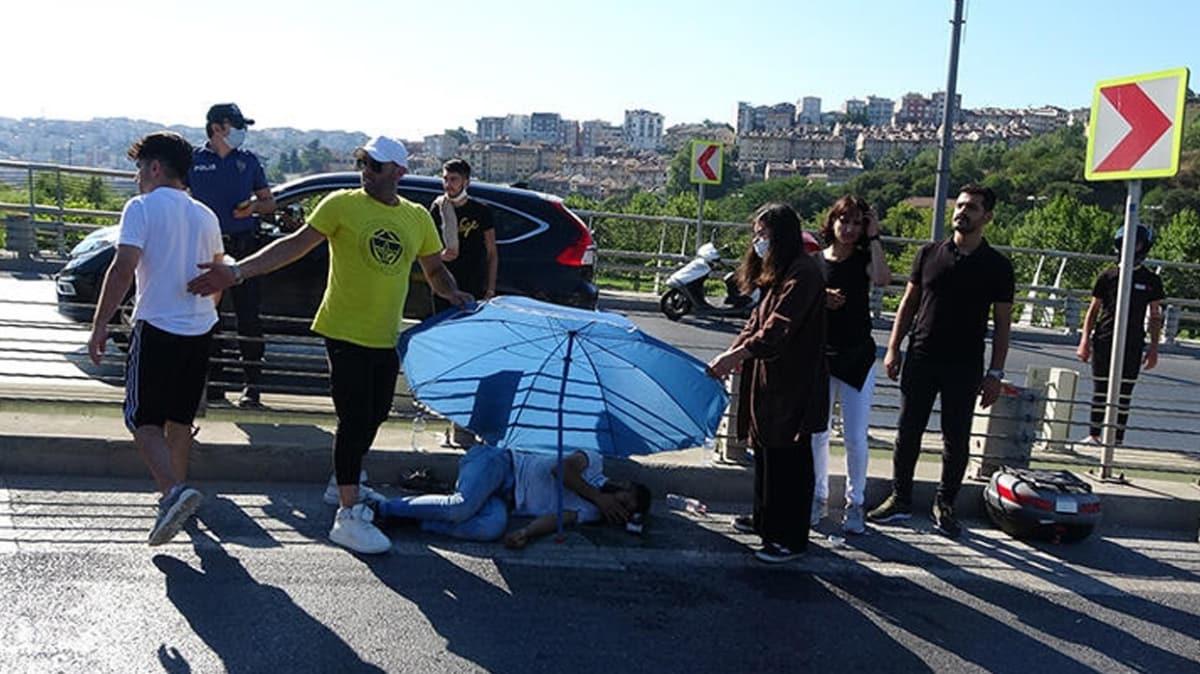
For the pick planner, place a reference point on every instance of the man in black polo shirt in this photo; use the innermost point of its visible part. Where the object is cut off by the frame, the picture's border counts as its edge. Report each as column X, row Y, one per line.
column 954, row 285
column 231, row 182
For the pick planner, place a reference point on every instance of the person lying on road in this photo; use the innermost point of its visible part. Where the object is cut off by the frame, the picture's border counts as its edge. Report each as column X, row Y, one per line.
column 494, row 483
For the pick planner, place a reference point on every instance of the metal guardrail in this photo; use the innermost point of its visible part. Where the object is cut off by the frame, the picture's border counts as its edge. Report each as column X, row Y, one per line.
column 304, row 367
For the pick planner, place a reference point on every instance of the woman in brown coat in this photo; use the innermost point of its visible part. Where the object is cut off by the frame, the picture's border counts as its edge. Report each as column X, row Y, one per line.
column 785, row 383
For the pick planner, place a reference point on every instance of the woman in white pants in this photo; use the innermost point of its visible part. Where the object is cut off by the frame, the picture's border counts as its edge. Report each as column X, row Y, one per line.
column 855, row 260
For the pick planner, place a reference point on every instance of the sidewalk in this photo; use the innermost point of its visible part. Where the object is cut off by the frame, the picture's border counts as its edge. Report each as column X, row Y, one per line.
column 235, row 446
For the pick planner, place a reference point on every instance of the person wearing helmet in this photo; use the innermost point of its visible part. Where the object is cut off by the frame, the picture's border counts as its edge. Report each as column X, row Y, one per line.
column 1095, row 341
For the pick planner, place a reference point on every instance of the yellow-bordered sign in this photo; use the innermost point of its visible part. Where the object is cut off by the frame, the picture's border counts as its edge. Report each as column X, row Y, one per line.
column 706, row 162
column 1136, row 126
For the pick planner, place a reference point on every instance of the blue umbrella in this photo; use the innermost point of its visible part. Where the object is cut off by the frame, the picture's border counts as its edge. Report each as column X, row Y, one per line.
column 524, row 374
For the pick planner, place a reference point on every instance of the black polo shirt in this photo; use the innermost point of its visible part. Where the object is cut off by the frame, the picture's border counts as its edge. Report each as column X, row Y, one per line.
column 1147, row 288
column 957, row 292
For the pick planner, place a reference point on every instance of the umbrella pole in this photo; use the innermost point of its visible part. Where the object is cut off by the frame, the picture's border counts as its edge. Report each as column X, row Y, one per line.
column 562, row 394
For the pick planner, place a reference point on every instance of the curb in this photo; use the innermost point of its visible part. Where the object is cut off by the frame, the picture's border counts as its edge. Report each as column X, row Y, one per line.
column 1138, row 506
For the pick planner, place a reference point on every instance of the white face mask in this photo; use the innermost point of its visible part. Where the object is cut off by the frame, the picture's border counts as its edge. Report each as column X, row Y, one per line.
column 235, row 138
column 761, row 246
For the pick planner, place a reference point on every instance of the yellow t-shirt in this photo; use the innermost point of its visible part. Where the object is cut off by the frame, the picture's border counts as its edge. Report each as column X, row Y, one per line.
column 372, row 247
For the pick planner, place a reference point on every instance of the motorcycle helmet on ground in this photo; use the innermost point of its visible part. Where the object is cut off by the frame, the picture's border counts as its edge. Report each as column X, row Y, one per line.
column 1144, row 240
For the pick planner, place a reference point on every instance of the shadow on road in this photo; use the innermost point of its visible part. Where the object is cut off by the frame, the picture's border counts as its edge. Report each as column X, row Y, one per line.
column 989, row 643
column 251, row 626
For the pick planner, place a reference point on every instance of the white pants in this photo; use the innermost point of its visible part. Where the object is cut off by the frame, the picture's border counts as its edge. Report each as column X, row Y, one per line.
column 856, row 411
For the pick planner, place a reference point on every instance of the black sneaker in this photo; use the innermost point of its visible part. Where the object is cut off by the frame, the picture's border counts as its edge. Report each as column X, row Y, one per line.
column 944, row 520
column 773, row 553
column 894, row 509
column 744, row 524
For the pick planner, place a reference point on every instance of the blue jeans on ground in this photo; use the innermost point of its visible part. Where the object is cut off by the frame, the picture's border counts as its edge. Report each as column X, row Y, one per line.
column 477, row 510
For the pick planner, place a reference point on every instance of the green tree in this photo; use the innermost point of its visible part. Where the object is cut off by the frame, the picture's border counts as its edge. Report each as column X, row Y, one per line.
column 96, row 192
column 314, row 158
column 1064, row 223
column 908, row 221
column 1179, row 241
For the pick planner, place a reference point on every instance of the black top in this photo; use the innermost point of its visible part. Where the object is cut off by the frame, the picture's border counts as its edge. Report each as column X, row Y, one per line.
column 850, row 325
column 957, row 292
column 1147, row 288
column 470, row 267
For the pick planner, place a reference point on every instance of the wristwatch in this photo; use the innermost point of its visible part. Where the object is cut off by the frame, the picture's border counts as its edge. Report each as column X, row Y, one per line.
column 237, row 274
column 996, row 373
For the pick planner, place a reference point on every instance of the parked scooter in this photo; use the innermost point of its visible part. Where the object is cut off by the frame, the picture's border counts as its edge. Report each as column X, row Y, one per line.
column 685, row 289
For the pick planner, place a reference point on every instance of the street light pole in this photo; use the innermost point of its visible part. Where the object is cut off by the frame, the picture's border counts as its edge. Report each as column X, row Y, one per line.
column 942, row 190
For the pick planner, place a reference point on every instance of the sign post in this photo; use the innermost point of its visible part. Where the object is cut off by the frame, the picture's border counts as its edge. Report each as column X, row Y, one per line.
column 1134, row 132
column 704, row 169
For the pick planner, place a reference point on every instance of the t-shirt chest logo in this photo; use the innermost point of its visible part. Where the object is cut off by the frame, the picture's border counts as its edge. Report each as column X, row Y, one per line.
column 384, row 250
column 466, row 226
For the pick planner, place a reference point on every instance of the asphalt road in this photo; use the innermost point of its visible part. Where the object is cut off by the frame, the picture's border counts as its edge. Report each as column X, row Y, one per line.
column 1166, row 401
column 253, row 587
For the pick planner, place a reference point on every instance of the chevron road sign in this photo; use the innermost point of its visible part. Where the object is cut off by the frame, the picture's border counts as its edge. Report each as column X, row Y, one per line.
column 706, row 162
column 1136, row 126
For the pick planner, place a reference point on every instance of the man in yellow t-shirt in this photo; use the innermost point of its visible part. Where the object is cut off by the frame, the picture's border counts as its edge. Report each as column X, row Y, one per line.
column 374, row 236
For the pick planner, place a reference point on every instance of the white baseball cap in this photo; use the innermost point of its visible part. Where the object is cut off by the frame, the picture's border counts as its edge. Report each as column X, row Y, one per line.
column 384, row 149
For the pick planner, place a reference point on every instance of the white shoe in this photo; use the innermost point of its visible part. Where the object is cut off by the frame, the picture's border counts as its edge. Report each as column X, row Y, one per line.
column 365, row 493
column 1089, row 441
column 352, row 528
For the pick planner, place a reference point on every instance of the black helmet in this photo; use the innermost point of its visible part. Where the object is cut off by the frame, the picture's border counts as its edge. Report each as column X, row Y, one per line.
column 1145, row 239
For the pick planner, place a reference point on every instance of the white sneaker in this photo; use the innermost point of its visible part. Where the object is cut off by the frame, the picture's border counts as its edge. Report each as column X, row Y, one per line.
column 1089, row 441
column 365, row 493
column 352, row 528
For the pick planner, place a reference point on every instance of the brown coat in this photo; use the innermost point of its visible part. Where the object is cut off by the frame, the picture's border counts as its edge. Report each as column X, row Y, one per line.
column 785, row 383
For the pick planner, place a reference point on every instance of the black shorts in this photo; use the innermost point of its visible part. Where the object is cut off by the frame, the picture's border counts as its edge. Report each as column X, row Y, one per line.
column 164, row 376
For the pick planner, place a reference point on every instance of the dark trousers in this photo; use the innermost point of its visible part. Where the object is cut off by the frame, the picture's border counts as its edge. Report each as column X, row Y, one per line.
column 1101, row 364
column 362, row 382
column 921, row 380
column 247, row 304
column 783, row 490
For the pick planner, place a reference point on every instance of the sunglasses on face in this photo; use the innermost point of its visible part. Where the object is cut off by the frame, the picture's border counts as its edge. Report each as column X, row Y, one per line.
column 363, row 162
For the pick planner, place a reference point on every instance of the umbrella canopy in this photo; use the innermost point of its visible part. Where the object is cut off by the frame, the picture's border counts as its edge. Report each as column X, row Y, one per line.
column 524, row 374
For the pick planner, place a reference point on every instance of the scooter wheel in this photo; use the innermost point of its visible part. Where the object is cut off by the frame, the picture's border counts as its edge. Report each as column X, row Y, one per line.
column 674, row 304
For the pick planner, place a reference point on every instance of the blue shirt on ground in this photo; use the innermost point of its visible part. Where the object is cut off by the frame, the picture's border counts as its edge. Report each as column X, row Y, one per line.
column 221, row 184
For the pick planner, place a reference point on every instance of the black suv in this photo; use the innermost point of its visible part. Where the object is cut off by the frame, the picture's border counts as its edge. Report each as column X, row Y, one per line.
column 546, row 252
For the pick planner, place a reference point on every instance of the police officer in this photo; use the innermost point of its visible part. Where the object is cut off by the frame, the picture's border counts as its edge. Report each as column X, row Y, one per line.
column 231, row 182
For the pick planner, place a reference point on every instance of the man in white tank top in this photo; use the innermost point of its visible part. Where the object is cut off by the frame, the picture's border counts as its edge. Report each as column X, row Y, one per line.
column 164, row 235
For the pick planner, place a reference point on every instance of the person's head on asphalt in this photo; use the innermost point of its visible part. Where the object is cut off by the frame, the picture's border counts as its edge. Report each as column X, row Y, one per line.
column 382, row 162
column 973, row 208
column 162, row 158
column 634, row 497
column 777, row 241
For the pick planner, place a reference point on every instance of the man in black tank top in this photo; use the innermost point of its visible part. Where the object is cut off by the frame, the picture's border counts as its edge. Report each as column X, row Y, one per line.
column 953, row 286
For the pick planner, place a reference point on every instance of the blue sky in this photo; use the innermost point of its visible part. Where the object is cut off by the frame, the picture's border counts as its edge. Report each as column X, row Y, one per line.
column 411, row 68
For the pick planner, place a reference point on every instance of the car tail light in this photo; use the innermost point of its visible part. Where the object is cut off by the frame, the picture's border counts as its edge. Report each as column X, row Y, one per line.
column 1019, row 498
column 583, row 251
column 1089, row 508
